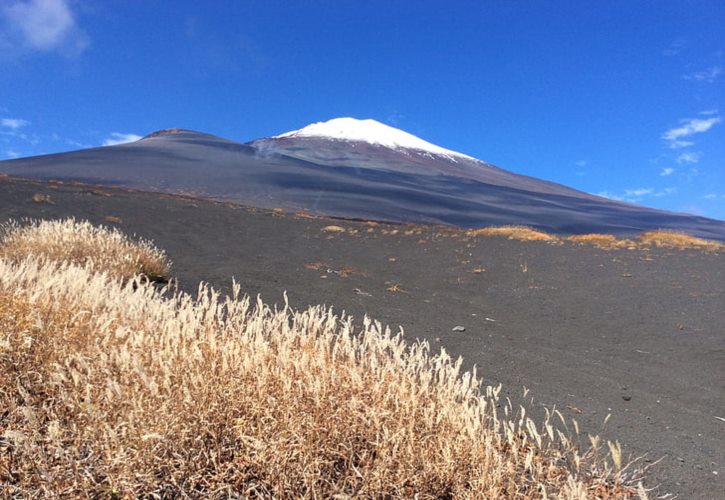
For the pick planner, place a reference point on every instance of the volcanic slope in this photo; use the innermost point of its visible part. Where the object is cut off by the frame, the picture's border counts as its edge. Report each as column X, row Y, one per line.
column 358, row 169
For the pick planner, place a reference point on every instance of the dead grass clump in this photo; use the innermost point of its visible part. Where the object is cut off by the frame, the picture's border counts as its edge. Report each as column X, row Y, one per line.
column 79, row 242
column 119, row 390
column 604, row 241
column 333, row 229
column 42, row 198
column 675, row 239
column 522, row 233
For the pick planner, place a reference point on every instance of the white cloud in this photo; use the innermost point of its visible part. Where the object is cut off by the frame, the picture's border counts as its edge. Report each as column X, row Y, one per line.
column 674, row 48
column 13, row 123
column 680, row 144
column 667, row 171
column 611, row 196
column 689, row 127
column 12, row 154
column 693, row 209
column 664, row 192
column 708, row 75
column 629, row 193
column 581, row 163
column 638, row 194
column 712, row 196
column 688, row 157
column 118, row 138
column 44, row 25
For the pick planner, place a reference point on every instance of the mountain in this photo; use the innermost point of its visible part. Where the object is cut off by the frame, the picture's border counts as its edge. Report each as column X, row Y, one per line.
column 356, row 169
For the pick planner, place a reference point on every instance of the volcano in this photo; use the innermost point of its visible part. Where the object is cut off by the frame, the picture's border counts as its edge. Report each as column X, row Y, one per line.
column 358, row 169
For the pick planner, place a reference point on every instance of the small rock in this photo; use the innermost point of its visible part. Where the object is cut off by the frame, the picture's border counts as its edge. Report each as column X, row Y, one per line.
column 459, row 328
column 626, row 397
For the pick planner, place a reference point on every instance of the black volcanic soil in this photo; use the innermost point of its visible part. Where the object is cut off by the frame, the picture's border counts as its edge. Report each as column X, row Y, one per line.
column 638, row 334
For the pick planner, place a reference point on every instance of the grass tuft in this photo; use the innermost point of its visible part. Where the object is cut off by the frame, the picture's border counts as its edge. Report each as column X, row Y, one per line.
column 100, row 248
column 522, row 233
column 660, row 238
column 604, row 241
column 674, row 239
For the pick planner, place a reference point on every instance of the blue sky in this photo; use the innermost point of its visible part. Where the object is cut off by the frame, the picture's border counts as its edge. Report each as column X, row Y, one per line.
column 620, row 98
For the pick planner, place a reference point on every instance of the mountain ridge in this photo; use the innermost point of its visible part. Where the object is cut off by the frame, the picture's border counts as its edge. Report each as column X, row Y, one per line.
column 351, row 179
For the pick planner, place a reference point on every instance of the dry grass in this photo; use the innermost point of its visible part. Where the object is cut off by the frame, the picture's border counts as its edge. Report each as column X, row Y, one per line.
column 42, row 198
column 674, row 239
column 660, row 238
column 120, row 390
column 521, row 233
column 604, row 241
column 333, row 229
column 102, row 249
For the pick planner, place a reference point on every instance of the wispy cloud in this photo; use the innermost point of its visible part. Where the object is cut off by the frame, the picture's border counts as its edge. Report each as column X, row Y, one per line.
column 688, row 157
column 707, row 75
column 631, row 193
column 13, row 123
column 42, row 25
column 581, row 163
column 664, row 192
column 674, row 48
column 118, row 138
column 667, row 171
column 679, row 144
column 637, row 194
column 611, row 196
column 11, row 128
column 12, row 154
column 688, row 127
column 693, row 209
column 713, row 196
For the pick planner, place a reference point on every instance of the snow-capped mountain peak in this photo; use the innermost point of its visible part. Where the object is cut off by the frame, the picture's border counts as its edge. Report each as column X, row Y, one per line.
column 371, row 132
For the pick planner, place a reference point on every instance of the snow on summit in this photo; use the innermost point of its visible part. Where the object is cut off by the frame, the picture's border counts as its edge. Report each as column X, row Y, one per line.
column 370, row 131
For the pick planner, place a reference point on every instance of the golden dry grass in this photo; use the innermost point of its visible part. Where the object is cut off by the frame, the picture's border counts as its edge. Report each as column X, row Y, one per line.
column 604, row 241
column 522, row 233
column 674, row 239
column 333, row 229
column 103, row 249
column 118, row 389
column 659, row 238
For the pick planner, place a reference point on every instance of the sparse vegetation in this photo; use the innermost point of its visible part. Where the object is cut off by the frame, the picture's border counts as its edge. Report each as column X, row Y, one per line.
column 333, row 229
column 674, row 239
column 113, row 389
column 604, row 241
column 659, row 238
column 42, row 198
column 522, row 233
column 79, row 242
